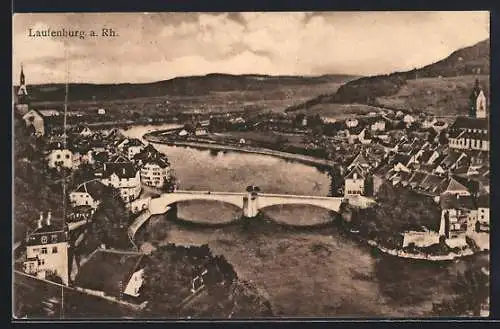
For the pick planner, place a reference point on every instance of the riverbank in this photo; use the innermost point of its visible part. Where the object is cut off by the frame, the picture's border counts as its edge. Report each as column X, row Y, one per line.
column 420, row 256
column 154, row 138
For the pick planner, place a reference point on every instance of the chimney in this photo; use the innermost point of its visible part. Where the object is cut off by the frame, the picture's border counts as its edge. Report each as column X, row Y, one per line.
column 40, row 220
column 49, row 217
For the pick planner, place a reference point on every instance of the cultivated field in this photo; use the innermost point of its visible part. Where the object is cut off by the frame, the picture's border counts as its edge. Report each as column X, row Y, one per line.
column 440, row 96
column 271, row 99
column 339, row 111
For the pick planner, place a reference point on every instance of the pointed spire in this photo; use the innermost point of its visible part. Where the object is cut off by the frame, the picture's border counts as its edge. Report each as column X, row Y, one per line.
column 22, row 84
column 22, row 81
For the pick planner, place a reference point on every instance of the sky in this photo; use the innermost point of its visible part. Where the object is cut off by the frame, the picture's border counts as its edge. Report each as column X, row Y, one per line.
column 160, row 46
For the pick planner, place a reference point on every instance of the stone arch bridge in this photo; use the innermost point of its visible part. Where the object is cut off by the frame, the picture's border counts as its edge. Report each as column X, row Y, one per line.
column 249, row 202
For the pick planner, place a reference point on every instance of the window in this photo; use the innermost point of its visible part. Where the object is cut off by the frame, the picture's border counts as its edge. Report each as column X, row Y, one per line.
column 54, row 250
column 44, row 250
column 67, row 156
column 36, row 249
column 58, row 156
column 54, row 238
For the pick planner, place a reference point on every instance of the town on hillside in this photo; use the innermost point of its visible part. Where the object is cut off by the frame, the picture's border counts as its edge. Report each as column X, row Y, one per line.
column 106, row 223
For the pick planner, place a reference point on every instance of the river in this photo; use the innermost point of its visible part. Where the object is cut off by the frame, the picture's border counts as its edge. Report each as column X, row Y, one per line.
column 318, row 272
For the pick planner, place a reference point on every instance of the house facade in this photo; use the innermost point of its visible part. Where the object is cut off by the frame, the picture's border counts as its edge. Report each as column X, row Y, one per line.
column 470, row 134
column 89, row 193
column 35, row 119
column 458, row 215
column 124, row 177
column 354, row 182
column 483, row 213
column 47, row 251
column 60, row 157
column 155, row 172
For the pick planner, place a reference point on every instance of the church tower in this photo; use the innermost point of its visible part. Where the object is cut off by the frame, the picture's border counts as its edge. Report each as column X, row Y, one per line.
column 22, row 95
column 477, row 102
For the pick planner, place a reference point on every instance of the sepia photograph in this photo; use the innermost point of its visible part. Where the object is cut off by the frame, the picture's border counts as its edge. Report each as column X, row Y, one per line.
column 251, row 165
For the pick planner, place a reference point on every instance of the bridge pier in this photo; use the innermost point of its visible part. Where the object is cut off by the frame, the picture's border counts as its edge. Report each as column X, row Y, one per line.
column 250, row 206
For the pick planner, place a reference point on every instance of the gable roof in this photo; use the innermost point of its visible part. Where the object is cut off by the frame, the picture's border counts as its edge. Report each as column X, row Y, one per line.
column 450, row 201
column 160, row 161
column 454, row 185
column 118, row 158
column 95, row 188
column 121, row 169
column 134, row 142
column 109, row 270
column 470, row 123
column 431, row 183
column 48, row 113
column 356, row 130
column 148, row 152
column 416, row 179
column 355, row 170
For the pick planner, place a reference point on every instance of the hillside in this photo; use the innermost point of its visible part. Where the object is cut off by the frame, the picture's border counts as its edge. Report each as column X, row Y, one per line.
column 427, row 88
column 180, row 86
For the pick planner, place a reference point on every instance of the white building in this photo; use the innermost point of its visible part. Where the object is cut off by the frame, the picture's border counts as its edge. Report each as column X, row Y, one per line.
column 47, row 251
column 124, row 177
column 458, row 215
column 379, row 125
column 89, row 193
column 155, row 172
column 354, row 182
column 133, row 147
column 408, row 120
column 483, row 213
column 60, row 157
column 469, row 134
column 351, row 123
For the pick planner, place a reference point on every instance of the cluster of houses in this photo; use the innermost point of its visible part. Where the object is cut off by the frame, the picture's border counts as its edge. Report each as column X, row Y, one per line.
column 456, row 176
column 121, row 163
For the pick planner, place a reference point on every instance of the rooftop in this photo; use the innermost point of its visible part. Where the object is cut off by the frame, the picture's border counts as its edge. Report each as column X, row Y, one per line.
column 95, row 188
column 450, row 201
column 109, row 270
column 470, row 123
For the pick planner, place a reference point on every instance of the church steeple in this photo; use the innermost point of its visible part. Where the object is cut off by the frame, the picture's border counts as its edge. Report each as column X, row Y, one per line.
column 22, row 92
column 477, row 102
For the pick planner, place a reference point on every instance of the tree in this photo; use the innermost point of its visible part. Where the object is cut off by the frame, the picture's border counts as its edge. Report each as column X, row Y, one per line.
column 111, row 221
column 473, row 290
column 443, row 138
column 369, row 185
column 336, row 181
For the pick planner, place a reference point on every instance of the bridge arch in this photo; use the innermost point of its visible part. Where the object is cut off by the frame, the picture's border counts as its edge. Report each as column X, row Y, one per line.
column 161, row 204
column 329, row 203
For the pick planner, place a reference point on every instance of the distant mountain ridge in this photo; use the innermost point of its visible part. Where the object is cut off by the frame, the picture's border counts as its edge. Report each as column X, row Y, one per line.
column 179, row 86
column 366, row 90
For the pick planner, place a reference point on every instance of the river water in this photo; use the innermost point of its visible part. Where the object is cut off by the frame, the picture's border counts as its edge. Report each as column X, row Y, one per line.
column 318, row 272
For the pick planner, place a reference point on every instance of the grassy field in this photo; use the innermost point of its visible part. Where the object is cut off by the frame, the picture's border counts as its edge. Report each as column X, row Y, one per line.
column 272, row 99
column 440, row 96
column 339, row 111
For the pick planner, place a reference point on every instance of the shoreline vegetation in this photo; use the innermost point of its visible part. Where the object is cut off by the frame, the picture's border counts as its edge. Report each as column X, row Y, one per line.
column 440, row 254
